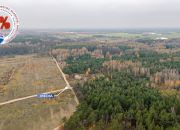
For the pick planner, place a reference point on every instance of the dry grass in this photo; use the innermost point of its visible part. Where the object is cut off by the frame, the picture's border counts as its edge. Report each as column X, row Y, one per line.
column 37, row 114
column 28, row 75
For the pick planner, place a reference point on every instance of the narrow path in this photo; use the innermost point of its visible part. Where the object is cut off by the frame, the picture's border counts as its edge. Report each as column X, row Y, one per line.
column 55, row 91
column 67, row 87
column 67, row 83
column 27, row 97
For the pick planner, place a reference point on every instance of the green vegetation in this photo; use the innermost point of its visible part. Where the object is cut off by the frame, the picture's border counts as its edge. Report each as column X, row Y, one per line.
column 81, row 64
column 122, row 101
column 76, row 46
column 124, row 48
column 125, row 57
column 151, row 59
column 16, row 50
column 33, row 38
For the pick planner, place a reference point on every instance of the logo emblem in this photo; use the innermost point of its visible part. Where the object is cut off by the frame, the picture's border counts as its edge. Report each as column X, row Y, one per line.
column 9, row 24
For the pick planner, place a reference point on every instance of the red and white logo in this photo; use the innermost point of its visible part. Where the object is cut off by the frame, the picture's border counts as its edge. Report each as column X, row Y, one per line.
column 9, row 24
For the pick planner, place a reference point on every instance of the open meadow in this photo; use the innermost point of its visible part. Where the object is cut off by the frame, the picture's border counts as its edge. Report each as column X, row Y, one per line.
column 28, row 75
column 22, row 76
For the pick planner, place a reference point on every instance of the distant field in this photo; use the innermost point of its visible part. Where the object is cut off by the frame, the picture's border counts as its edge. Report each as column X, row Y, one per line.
column 27, row 75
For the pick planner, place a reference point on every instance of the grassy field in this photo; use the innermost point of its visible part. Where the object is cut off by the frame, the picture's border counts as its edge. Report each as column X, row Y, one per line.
column 37, row 114
column 28, row 75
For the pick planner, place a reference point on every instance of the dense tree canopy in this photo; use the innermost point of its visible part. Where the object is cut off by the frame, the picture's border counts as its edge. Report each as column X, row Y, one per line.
column 82, row 63
column 121, row 101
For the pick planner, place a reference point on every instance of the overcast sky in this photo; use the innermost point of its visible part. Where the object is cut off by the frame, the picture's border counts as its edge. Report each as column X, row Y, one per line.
column 96, row 13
